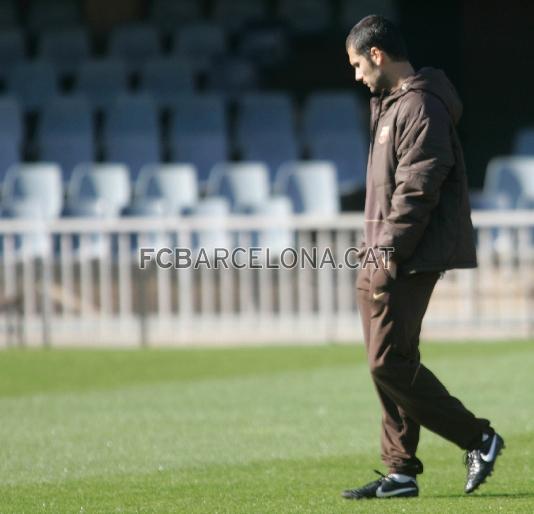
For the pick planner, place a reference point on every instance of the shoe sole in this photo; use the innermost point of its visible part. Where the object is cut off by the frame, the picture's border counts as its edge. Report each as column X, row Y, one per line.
column 411, row 494
column 490, row 471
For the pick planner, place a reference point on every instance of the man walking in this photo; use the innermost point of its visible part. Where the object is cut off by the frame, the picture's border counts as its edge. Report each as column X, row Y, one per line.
column 416, row 203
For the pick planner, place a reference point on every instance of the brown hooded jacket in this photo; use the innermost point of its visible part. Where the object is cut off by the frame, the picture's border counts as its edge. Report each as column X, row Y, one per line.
column 417, row 195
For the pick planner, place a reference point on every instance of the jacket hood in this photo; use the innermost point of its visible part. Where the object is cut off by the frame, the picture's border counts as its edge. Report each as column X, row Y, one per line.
column 433, row 81
column 436, row 82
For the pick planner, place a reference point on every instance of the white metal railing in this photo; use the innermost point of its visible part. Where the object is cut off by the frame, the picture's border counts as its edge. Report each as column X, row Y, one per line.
column 78, row 282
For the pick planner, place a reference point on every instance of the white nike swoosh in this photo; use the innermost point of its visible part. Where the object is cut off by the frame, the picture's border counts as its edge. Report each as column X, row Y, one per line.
column 382, row 494
column 377, row 296
column 488, row 457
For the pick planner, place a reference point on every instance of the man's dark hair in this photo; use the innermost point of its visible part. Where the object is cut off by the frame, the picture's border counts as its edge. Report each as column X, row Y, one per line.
column 377, row 31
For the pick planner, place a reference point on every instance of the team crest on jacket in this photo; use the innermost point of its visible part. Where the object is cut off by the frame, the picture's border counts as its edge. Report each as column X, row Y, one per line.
column 384, row 135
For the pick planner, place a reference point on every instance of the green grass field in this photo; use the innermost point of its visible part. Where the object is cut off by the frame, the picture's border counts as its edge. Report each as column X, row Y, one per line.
column 268, row 430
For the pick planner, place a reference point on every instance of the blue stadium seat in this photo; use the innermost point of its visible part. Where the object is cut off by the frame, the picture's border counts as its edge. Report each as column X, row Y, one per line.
column 9, row 154
column 199, row 132
column 244, row 184
column 44, row 14
column 166, row 79
column 348, row 151
column 264, row 43
column 511, row 176
column 200, row 42
column 524, row 142
column 12, row 51
column 312, row 187
column 235, row 14
column 131, row 132
column 265, row 129
column 328, row 112
column 169, row 14
column 306, row 17
column 108, row 182
column 272, row 148
column 135, row 45
column 101, row 81
column 10, row 119
column 65, row 133
column 175, row 184
column 65, row 48
column 232, row 77
column 33, row 83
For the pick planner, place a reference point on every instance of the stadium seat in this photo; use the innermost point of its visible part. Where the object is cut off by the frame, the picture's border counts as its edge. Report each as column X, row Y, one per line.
column 148, row 208
column 306, row 17
column 65, row 133
column 169, row 14
column 272, row 148
column 65, row 48
column 328, row 112
column 244, row 184
column 232, row 77
column 235, row 14
column 265, row 129
column 135, row 45
column 10, row 119
column 108, row 182
column 199, row 132
column 524, row 142
column 44, row 14
column 12, row 51
column 166, row 79
column 276, row 239
column 352, row 12
column 10, row 134
column 481, row 201
column 9, row 154
column 511, row 176
column 131, row 132
column 200, row 42
column 33, row 191
column 101, row 81
column 33, row 83
column 348, row 151
column 312, row 187
column 264, row 43
column 260, row 112
column 175, row 184
column 211, row 209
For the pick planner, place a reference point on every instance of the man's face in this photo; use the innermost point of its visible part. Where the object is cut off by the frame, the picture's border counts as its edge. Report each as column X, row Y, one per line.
column 367, row 71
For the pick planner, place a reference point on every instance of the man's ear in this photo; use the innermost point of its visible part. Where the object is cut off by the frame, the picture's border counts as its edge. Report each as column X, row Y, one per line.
column 377, row 55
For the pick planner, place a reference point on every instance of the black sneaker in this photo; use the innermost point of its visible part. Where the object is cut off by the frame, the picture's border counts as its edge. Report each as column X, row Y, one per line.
column 385, row 487
column 480, row 462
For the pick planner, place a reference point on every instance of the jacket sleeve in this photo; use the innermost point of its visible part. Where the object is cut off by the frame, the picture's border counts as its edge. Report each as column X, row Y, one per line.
column 425, row 157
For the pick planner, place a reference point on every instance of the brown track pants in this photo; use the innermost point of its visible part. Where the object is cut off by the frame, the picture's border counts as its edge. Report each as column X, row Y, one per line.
column 411, row 395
